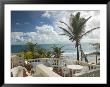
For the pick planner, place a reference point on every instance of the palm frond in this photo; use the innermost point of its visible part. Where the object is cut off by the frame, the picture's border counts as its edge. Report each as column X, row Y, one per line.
column 77, row 16
column 66, row 31
column 66, row 25
column 82, row 23
column 62, row 34
column 89, row 31
column 86, row 20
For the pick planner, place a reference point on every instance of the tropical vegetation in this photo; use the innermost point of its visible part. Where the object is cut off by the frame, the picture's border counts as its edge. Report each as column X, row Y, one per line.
column 57, row 51
column 43, row 53
column 76, row 29
column 33, row 51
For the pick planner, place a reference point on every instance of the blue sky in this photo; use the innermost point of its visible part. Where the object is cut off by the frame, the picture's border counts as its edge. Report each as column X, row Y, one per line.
column 25, row 21
column 42, row 26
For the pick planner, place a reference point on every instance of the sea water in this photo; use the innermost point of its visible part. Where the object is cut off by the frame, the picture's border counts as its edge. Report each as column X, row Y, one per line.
column 69, row 49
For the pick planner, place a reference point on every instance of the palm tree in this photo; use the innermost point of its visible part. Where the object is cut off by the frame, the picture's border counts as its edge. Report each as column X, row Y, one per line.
column 57, row 51
column 97, row 48
column 31, row 47
column 76, row 29
column 41, row 53
column 49, row 54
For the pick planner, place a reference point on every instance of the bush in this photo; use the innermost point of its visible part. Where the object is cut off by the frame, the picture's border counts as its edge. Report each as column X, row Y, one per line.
column 28, row 55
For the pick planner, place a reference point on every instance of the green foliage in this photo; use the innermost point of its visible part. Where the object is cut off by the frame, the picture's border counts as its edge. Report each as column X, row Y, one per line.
column 76, row 29
column 31, row 46
column 48, row 54
column 57, row 51
column 32, row 52
column 28, row 55
column 43, row 53
column 29, row 52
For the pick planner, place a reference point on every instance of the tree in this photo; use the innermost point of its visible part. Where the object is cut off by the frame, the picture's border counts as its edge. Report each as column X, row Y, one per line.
column 41, row 53
column 97, row 50
column 29, row 52
column 28, row 55
column 31, row 47
column 57, row 51
column 76, row 29
column 48, row 54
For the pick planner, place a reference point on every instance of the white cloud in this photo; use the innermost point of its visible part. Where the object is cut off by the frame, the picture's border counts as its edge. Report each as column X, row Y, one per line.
column 41, row 22
column 17, row 23
column 57, row 16
column 48, row 34
column 93, row 22
column 45, row 34
column 45, row 29
column 90, row 40
column 46, row 14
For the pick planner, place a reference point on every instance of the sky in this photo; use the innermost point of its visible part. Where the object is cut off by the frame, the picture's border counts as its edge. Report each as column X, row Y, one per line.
column 42, row 27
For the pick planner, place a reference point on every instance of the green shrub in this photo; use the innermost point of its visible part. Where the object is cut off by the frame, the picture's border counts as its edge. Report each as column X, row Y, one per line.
column 28, row 55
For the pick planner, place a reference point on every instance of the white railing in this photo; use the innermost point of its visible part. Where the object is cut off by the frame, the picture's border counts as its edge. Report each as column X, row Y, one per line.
column 47, row 61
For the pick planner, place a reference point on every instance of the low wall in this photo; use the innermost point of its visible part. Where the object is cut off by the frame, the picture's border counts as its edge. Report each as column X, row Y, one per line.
column 45, row 71
column 91, row 73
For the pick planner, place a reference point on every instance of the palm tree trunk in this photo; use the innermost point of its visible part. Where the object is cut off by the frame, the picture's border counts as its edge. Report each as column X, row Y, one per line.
column 81, row 56
column 77, row 51
column 81, row 52
column 96, row 59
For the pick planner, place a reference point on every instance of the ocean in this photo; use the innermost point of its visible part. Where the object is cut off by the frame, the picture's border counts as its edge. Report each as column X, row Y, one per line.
column 69, row 49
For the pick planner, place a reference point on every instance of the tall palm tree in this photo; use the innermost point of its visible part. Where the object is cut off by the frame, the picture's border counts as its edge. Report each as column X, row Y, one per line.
column 76, row 29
